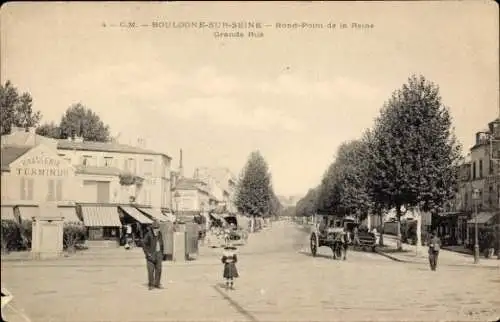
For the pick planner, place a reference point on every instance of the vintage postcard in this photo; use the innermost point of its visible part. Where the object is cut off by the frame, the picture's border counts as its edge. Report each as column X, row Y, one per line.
column 250, row 161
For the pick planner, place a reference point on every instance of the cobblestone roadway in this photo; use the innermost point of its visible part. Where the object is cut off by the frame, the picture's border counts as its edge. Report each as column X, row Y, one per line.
column 277, row 283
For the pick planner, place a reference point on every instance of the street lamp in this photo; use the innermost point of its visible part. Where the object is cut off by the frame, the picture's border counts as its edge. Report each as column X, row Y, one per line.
column 475, row 197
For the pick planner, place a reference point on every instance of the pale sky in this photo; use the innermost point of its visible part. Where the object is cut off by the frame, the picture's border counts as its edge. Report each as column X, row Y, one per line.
column 294, row 94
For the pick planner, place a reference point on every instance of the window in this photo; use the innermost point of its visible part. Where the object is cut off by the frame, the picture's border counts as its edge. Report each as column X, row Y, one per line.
column 473, row 170
column 148, row 167
column 87, row 160
column 480, row 168
column 59, row 190
column 130, row 165
column 54, row 193
column 61, row 155
column 490, row 169
column 108, row 161
column 27, row 189
column 51, row 191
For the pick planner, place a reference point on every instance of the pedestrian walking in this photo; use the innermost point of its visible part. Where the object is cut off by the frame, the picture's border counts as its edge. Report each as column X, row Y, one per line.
column 229, row 259
column 153, row 249
column 434, row 246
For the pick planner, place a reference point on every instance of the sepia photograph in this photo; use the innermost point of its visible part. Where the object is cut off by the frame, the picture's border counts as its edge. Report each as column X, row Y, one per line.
column 250, row 161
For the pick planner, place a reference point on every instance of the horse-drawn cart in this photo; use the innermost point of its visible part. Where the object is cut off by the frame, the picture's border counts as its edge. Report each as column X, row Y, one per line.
column 328, row 231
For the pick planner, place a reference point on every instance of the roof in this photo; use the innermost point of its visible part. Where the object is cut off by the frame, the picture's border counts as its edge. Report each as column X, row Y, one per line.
column 192, row 184
column 110, row 171
column 482, row 218
column 104, row 147
column 9, row 154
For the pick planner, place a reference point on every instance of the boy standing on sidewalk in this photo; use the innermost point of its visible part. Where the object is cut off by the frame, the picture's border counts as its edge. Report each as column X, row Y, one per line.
column 434, row 246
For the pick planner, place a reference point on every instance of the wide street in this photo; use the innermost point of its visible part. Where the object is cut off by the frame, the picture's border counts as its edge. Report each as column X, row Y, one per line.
column 279, row 281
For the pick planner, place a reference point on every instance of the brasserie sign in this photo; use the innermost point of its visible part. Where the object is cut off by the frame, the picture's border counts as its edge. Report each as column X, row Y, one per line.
column 41, row 166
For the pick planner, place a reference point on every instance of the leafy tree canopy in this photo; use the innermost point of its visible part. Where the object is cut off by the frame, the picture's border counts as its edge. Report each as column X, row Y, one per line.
column 254, row 193
column 16, row 109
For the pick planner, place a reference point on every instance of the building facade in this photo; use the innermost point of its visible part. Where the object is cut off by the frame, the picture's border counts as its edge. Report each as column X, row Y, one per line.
column 91, row 179
column 222, row 183
column 193, row 196
column 480, row 172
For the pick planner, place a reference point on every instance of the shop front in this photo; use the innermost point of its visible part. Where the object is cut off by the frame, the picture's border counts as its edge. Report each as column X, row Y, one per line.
column 103, row 224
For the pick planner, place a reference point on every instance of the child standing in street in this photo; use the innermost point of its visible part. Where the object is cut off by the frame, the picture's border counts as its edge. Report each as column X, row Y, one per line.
column 229, row 259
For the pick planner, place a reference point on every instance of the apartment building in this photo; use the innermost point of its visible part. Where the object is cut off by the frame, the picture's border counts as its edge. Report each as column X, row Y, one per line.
column 479, row 172
column 103, row 182
column 222, row 183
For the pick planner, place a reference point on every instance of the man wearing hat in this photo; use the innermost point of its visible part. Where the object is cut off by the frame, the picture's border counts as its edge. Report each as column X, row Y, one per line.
column 153, row 249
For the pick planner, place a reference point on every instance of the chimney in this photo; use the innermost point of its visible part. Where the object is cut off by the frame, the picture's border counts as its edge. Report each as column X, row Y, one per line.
column 181, row 170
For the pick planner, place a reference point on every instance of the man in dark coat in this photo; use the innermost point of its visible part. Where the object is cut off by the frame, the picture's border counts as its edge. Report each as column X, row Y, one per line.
column 153, row 249
column 434, row 246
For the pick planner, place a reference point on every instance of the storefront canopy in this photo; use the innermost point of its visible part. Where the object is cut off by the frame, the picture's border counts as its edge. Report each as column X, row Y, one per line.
column 136, row 214
column 482, row 218
column 155, row 214
column 7, row 213
column 101, row 216
column 27, row 213
column 69, row 215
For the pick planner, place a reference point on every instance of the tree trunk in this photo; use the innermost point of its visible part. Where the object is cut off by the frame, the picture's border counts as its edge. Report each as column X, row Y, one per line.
column 418, row 216
column 252, row 224
column 381, row 238
column 398, row 220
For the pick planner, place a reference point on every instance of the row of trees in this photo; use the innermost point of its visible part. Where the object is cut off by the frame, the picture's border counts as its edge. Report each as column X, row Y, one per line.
column 255, row 196
column 78, row 120
column 407, row 161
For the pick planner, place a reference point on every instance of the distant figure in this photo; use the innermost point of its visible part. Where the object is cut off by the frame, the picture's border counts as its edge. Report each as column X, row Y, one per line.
column 434, row 246
column 229, row 259
column 153, row 249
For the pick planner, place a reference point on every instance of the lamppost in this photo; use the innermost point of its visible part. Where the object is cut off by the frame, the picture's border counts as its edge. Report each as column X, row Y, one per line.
column 475, row 197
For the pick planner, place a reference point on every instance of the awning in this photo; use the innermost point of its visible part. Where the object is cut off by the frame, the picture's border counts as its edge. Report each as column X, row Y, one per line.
column 69, row 214
column 27, row 213
column 7, row 213
column 482, row 218
column 101, row 216
column 170, row 216
column 136, row 214
column 155, row 213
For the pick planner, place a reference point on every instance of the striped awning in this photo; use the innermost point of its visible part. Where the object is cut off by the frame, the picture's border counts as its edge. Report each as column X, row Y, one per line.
column 69, row 214
column 101, row 216
column 482, row 218
column 155, row 213
column 136, row 214
column 27, row 213
column 7, row 213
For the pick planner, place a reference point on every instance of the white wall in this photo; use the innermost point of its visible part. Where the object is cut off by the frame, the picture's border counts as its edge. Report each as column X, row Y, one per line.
column 155, row 190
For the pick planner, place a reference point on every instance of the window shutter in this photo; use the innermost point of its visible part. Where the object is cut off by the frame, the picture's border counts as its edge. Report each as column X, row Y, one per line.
column 23, row 189
column 50, row 192
column 59, row 190
column 30, row 189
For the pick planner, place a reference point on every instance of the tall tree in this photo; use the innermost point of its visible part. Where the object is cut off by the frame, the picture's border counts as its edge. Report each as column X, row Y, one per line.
column 16, row 110
column 50, row 130
column 82, row 121
column 416, row 152
column 253, row 196
column 307, row 206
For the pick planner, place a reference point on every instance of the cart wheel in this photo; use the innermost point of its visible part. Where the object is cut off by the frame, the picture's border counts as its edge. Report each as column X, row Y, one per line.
column 314, row 246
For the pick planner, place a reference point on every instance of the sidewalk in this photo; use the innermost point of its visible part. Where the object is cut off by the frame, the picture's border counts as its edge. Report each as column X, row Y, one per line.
column 420, row 256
